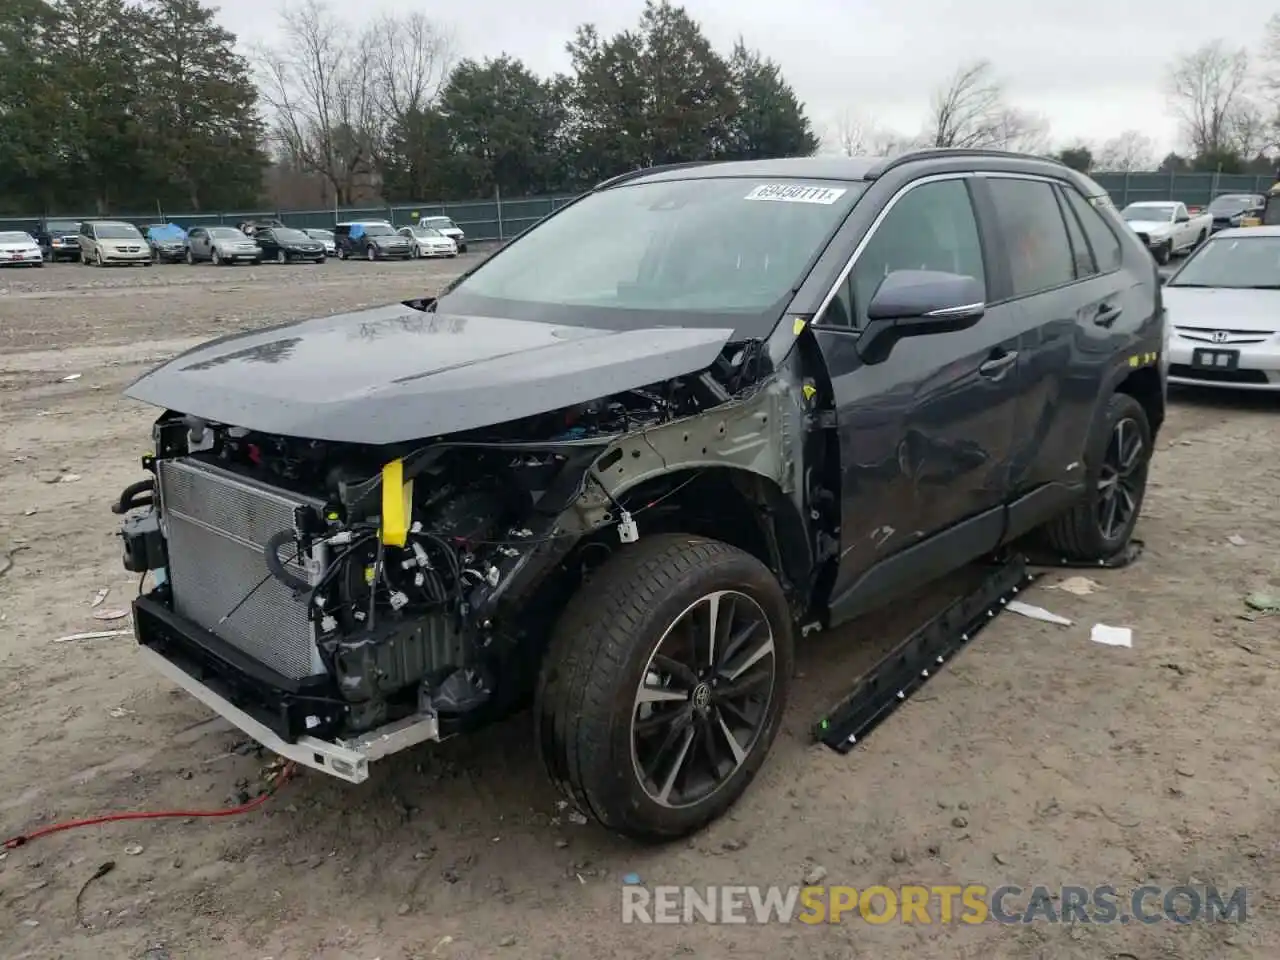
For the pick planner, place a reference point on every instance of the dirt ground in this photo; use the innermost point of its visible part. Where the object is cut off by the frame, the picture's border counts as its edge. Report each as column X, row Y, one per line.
column 1039, row 757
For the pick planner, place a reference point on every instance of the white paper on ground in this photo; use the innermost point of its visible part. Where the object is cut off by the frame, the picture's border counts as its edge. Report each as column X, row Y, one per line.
column 1112, row 636
column 1036, row 613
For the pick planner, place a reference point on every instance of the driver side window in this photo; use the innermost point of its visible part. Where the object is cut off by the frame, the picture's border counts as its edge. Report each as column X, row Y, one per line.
column 931, row 227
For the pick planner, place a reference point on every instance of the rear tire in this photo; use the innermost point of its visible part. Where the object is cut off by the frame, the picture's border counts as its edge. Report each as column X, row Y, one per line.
column 608, row 689
column 1116, row 466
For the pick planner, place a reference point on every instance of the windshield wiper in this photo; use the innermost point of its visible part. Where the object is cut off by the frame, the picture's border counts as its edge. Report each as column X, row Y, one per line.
column 1261, row 286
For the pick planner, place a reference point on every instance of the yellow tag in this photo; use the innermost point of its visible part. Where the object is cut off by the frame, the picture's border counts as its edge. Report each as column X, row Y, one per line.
column 397, row 504
column 798, row 327
column 809, row 391
column 1133, row 361
column 368, row 574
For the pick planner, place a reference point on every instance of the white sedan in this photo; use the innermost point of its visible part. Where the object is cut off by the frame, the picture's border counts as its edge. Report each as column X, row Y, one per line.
column 1224, row 311
column 19, row 248
column 429, row 243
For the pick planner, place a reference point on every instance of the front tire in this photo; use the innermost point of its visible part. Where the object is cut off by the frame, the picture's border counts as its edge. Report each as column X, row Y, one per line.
column 370, row 253
column 1164, row 253
column 1116, row 466
column 281, row 257
column 641, row 721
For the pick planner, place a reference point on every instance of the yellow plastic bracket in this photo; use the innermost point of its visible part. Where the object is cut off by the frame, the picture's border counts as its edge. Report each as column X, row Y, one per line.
column 397, row 504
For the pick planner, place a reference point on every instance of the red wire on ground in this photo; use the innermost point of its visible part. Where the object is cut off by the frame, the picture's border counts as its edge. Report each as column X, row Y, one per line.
column 23, row 839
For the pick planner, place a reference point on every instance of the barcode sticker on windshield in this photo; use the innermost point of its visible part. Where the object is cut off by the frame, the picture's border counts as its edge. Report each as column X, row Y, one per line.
column 790, row 193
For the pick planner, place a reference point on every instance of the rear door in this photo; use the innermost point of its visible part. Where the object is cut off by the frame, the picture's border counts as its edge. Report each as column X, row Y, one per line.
column 1067, row 283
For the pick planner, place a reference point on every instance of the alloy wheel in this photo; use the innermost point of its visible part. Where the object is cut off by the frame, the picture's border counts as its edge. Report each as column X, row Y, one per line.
column 1122, row 478
column 703, row 699
column 281, row 257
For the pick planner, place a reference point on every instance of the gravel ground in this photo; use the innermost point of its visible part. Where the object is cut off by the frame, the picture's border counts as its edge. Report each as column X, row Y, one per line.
column 1037, row 758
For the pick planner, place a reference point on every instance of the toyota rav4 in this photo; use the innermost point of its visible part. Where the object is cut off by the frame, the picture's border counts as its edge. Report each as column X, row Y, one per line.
column 621, row 466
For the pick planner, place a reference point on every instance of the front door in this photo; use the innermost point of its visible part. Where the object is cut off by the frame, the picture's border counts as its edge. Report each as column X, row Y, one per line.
column 926, row 435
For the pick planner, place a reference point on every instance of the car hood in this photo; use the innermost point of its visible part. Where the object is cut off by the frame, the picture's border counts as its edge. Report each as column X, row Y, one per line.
column 1221, row 308
column 1149, row 226
column 395, row 374
column 18, row 247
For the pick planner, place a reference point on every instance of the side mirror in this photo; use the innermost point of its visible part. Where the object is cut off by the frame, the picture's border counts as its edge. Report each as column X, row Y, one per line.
column 1183, row 218
column 912, row 303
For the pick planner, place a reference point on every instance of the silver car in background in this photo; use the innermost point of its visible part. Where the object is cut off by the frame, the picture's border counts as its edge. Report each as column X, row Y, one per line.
column 326, row 237
column 428, row 242
column 222, row 246
column 1224, row 312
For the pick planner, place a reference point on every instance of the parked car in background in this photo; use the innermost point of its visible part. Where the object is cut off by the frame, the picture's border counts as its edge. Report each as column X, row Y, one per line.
column 371, row 239
column 222, row 246
column 104, row 242
column 285, row 244
column 325, row 237
column 19, row 248
column 1167, row 228
column 251, row 228
column 429, row 243
column 1234, row 209
column 1224, row 305
column 168, row 242
column 450, row 229
column 58, row 239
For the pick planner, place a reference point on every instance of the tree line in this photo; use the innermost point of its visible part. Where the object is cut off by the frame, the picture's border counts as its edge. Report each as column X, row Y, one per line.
column 130, row 105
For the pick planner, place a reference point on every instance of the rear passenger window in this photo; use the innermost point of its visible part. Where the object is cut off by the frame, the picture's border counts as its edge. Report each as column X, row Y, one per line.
column 931, row 227
column 1081, row 256
column 1034, row 234
column 1106, row 248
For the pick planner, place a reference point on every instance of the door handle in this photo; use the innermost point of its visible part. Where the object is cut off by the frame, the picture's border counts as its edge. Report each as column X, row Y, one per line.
column 1106, row 315
column 997, row 366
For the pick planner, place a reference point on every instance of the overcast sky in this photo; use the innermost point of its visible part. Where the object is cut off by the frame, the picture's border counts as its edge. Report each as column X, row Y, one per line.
column 1093, row 67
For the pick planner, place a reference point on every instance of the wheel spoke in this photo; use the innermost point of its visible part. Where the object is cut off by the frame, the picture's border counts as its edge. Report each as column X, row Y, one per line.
column 737, row 642
column 762, row 650
column 651, row 694
column 661, row 718
column 713, row 616
column 1109, row 520
column 1129, row 461
column 676, row 670
column 726, row 705
column 679, row 730
column 677, row 765
column 744, row 687
column 739, row 754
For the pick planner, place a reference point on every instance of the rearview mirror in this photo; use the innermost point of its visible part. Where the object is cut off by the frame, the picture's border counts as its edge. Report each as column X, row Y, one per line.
column 912, row 303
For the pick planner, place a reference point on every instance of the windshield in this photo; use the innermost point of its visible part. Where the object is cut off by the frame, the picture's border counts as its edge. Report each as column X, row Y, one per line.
column 378, row 230
column 63, row 226
column 320, row 234
column 706, row 252
column 1134, row 214
column 118, row 231
column 440, row 223
column 226, row 233
column 1241, row 263
column 1232, row 204
column 426, row 233
column 290, row 235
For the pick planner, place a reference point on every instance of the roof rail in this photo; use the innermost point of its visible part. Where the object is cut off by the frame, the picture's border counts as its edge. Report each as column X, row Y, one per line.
column 645, row 171
column 940, row 153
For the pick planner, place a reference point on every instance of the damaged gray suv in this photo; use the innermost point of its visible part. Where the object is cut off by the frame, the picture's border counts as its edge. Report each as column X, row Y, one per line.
column 620, row 467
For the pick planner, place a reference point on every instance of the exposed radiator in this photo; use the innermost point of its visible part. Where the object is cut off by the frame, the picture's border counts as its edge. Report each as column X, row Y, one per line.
column 217, row 524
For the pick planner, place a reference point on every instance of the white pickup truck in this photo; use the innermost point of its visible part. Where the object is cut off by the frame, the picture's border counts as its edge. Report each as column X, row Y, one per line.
column 1167, row 228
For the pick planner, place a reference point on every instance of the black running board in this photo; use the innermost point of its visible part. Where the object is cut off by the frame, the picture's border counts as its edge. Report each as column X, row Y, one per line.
column 1125, row 556
column 910, row 664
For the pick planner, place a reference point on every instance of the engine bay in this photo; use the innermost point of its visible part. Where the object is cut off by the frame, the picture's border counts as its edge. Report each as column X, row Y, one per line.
column 400, row 556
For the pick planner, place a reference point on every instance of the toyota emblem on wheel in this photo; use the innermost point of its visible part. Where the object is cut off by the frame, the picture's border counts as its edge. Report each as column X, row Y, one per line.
column 1219, row 336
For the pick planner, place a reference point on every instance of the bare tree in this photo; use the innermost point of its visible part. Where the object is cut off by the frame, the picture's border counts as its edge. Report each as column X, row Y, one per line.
column 1019, row 130
column 316, row 87
column 858, row 137
column 1208, row 93
column 411, row 58
column 333, row 93
column 1132, row 150
column 967, row 111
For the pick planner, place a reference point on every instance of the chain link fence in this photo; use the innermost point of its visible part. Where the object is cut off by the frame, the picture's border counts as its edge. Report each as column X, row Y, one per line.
column 502, row 219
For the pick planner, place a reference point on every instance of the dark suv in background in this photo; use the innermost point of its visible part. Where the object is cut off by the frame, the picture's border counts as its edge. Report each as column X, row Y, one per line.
column 58, row 239
column 622, row 466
